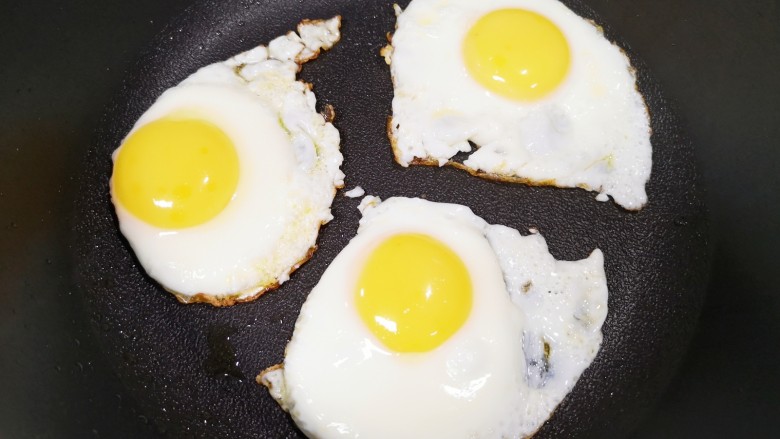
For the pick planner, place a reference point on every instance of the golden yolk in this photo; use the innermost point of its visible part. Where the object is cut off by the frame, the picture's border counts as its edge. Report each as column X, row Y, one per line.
column 413, row 293
column 517, row 54
column 175, row 173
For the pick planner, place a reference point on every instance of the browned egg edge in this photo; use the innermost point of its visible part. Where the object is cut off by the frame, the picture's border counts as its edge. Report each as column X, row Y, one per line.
column 220, row 301
column 267, row 370
column 300, row 60
column 430, row 161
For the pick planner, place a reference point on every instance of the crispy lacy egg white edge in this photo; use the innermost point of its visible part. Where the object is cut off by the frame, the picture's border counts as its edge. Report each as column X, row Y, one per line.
column 273, row 380
column 386, row 52
column 306, row 54
column 249, row 295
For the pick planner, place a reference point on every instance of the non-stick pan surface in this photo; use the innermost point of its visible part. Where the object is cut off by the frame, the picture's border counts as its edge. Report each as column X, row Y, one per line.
column 192, row 367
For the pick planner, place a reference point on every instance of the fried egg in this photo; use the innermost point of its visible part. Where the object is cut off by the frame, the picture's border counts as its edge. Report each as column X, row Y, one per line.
column 222, row 184
column 432, row 323
column 543, row 95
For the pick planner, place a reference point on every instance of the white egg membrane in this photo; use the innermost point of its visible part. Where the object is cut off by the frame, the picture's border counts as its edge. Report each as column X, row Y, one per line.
column 289, row 169
column 592, row 132
column 491, row 379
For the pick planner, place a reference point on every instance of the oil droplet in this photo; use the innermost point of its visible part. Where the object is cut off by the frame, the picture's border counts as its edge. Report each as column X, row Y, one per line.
column 221, row 360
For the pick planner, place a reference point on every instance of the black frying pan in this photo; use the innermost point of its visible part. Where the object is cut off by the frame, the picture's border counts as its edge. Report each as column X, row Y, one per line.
column 192, row 367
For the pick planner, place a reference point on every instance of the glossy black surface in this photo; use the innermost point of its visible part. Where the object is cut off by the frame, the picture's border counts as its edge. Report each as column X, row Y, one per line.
column 64, row 65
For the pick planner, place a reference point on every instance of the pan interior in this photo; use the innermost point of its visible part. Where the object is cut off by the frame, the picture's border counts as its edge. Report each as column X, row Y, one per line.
column 192, row 367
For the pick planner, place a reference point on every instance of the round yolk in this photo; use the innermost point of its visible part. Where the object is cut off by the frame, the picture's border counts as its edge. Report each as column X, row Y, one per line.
column 517, row 54
column 414, row 293
column 176, row 173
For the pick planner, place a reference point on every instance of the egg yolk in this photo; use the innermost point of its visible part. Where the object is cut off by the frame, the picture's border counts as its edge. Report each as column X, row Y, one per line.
column 176, row 173
column 517, row 54
column 413, row 293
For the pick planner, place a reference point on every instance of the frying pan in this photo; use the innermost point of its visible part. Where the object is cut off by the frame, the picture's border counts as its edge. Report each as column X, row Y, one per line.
column 191, row 368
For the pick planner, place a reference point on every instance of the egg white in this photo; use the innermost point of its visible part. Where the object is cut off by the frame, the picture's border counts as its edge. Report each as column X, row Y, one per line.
column 339, row 381
column 289, row 163
column 592, row 132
